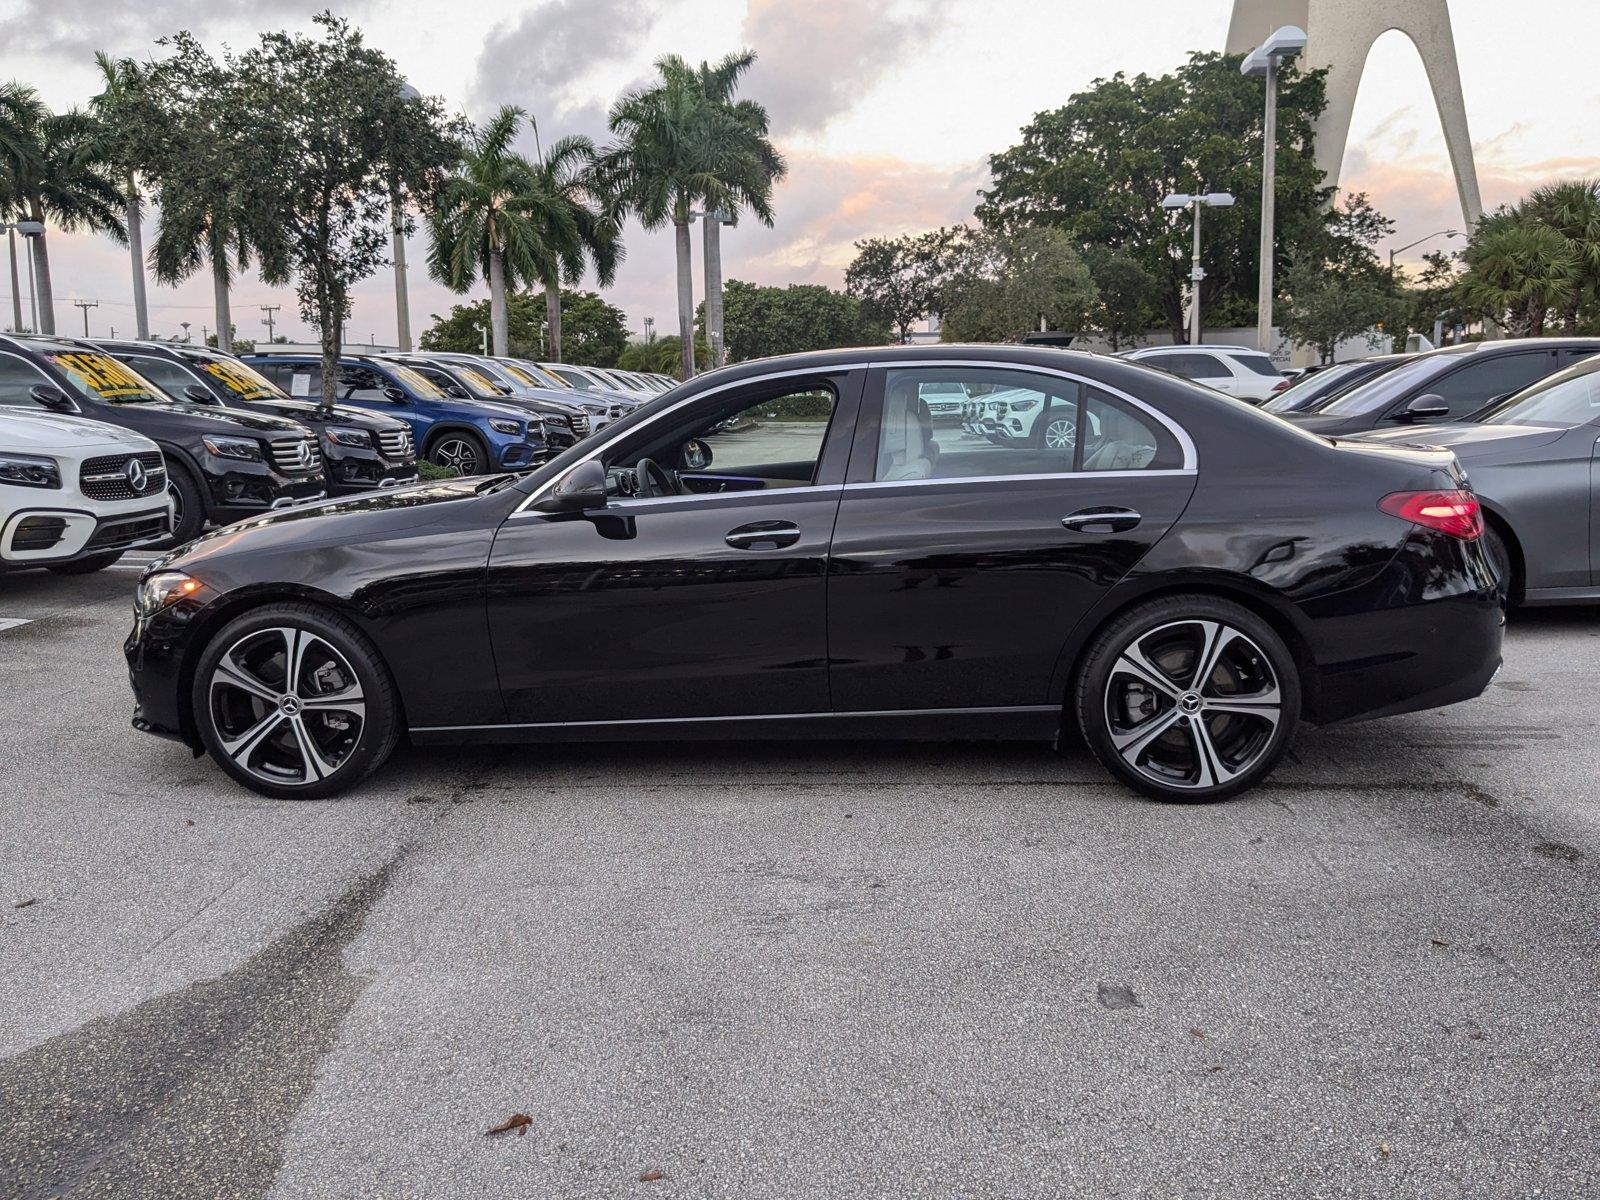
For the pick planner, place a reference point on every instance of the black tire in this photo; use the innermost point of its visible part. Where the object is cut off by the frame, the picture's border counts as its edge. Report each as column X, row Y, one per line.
column 87, row 566
column 1253, row 671
column 190, row 516
column 228, row 711
column 1058, row 416
column 450, row 448
column 1499, row 554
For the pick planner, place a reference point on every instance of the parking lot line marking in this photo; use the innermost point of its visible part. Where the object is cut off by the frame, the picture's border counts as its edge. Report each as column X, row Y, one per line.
column 12, row 622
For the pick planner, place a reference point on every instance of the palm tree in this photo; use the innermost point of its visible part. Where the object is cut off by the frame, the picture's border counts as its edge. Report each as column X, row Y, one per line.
column 577, row 225
column 199, row 226
column 60, row 178
column 20, row 110
column 482, row 222
column 112, row 107
column 1572, row 209
column 1518, row 270
column 684, row 142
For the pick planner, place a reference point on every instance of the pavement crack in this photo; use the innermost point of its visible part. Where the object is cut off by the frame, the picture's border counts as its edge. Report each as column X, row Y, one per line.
column 192, row 1093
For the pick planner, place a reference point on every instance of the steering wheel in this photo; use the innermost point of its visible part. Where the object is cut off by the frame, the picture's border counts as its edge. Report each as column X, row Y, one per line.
column 652, row 479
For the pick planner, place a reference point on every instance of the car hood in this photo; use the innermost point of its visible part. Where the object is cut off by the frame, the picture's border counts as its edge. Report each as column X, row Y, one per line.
column 314, row 414
column 45, row 431
column 1469, row 439
column 350, row 521
column 226, row 420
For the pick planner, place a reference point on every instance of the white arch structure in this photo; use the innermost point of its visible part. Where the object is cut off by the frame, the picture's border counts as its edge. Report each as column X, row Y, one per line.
column 1339, row 35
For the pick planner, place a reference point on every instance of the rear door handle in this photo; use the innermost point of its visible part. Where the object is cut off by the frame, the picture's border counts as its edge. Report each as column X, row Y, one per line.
column 763, row 535
column 1102, row 520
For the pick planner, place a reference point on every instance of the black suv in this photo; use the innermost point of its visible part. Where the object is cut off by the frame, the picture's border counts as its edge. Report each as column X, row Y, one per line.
column 1446, row 384
column 222, row 464
column 362, row 450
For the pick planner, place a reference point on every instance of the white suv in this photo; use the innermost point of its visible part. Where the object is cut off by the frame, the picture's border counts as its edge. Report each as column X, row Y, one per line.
column 75, row 493
column 1237, row 370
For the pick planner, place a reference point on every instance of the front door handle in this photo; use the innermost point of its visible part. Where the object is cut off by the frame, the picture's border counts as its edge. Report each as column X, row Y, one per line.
column 763, row 535
column 1102, row 520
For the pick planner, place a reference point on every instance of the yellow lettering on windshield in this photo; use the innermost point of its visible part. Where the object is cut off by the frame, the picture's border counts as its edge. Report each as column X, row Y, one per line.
column 102, row 375
column 239, row 380
column 480, row 381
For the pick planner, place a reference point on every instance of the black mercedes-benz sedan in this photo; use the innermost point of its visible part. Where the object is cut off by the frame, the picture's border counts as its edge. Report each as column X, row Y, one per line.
column 792, row 547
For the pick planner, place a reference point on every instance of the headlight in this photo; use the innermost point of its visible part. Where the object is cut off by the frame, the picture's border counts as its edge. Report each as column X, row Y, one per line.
column 30, row 470
column 349, row 437
column 512, row 428
column 230, row 447
column 162, row 589
column 1023, row 405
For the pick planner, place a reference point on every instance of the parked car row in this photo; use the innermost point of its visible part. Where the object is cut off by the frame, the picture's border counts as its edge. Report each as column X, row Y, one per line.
column 220, row 438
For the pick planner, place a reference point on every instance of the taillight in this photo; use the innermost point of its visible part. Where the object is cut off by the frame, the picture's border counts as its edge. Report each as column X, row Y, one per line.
column 1455, row 512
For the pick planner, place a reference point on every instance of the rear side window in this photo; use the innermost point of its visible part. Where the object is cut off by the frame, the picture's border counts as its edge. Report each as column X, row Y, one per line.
column 1015, row 423
column 1191, row 366
column 1257, row 364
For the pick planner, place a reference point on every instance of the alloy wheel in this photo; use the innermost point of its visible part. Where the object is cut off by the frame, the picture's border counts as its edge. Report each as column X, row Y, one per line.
column 1060, row 433
column 177, row 504
column 457, row 453
column 287, row 706
column 1192, row 704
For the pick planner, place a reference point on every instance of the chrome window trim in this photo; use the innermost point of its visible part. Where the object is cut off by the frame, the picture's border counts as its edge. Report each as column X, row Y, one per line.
column 1186, row 443
column 749, row 494
column 955, row 479
column 802, row 716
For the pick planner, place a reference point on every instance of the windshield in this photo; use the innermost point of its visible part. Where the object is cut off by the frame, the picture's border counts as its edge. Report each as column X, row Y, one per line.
column 546, row 378
column 1571, row 397
column 99, row 376
column 419, row 386
column 243, row 380
column 1306, row 391
column 525, row 378
column 1379, row 393
column 572, row 377
column 476, row 382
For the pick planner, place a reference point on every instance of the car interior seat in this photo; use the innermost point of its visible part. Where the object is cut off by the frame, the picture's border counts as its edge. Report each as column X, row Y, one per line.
column 905, row 447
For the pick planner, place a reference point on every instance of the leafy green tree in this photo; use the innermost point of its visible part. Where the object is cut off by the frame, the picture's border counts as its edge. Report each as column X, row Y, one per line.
column 56, row 173
column 1337, row 288
column 683, row 143
column 1099, row 166
column 1126, row 299
column 1572, row 209
column 762, row 321
column 900, row 280
column 597, row 331
column 320, row 108
column 1011, row 283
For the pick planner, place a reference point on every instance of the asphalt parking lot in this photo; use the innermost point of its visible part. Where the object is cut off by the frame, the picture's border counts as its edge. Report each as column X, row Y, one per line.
column 796, row 970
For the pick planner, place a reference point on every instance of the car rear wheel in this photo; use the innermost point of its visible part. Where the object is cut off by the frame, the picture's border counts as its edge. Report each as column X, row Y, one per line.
column 1500, row 559
column 87, row 566
column 463, row 451
column 1188, row 698
column 295, row 702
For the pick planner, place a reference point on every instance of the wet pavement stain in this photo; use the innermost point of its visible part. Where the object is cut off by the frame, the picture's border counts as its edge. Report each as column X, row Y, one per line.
column 189, row 1094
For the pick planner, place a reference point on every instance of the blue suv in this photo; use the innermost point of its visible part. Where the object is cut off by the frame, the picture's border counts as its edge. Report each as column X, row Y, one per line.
column 473, row 436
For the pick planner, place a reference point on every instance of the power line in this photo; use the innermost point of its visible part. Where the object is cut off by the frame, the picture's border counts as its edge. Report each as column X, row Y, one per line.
column 86, row 305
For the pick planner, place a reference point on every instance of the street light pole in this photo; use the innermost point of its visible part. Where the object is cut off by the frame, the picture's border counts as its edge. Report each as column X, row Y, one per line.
column 16, row 287
column 1283, row 45
column 397, row 216
column 1197, row 273
column 1418, row 242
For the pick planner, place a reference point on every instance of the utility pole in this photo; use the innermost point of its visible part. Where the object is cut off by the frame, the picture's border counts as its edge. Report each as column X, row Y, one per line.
column 86, row 305
column 269, row 309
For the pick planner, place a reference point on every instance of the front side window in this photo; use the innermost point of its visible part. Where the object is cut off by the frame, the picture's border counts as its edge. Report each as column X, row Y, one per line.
column 1572, row 399
column 572, row 377
column 302, row 380
column 1018, row 423
column 169, row 376
column 1474, row 385
column 99, row 376
column 741, row 445
column 18, row 378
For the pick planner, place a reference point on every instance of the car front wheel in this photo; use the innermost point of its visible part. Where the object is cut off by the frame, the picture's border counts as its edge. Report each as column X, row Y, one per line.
column 462, row 451
column 1188, row 698
column 294, row 702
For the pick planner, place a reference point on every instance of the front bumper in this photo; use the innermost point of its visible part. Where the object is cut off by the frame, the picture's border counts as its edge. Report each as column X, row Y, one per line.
column 242, row 489
column 49, row 536
column 362, row 471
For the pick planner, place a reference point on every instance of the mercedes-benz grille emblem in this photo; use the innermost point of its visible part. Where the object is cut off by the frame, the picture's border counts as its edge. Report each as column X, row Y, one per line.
column 137, row 475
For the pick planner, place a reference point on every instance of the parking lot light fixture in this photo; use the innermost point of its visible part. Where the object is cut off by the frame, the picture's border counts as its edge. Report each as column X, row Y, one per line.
column 1174, row 201
column 1282, row 45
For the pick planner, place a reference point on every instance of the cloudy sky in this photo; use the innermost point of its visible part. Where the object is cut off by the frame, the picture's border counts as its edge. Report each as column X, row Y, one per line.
column 886, row 109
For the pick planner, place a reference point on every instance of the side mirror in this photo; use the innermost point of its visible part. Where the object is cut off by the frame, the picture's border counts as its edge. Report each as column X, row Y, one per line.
column 456, row 392
column 52, row 398
column 581, row 489
column 695, row 455
column 200, row 394
column 1422, row 407
column 393, row 393
column 503, row 388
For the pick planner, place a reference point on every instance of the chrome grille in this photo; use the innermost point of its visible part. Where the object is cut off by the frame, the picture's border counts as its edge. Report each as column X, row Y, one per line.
column 296, row 456
column 110, row 477
column 396, row 445
column 579, row 423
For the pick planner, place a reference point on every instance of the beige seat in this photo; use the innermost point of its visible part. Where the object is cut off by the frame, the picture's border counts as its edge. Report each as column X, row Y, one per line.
column 905, row 445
